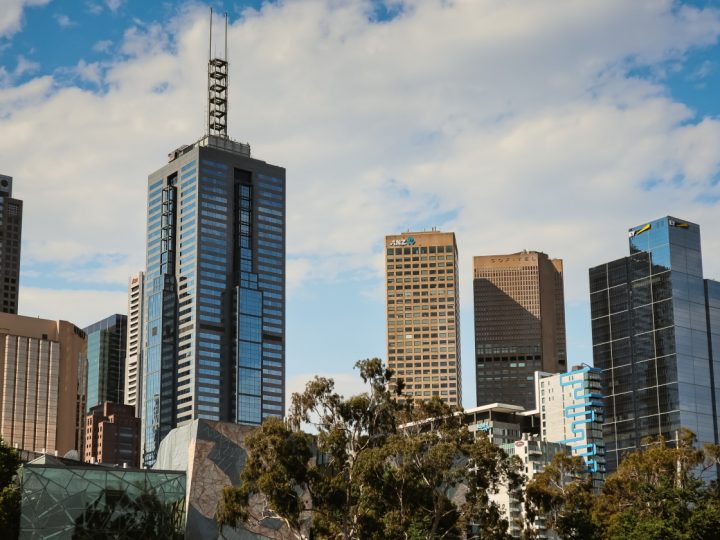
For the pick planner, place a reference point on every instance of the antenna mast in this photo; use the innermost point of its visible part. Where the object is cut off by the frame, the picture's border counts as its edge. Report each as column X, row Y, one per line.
column 217, row 88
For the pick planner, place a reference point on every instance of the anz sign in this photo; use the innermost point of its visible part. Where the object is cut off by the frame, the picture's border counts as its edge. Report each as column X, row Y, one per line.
column 409, row 241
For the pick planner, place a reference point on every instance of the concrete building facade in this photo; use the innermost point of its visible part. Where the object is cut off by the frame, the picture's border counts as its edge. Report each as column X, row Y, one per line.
column 519, row 324
column 133, row 348
column 571, row 412
column 11, row 211
column 112, row 435
column 42, row 401
column 423, row 319
column 502, row 423
column 535, row 455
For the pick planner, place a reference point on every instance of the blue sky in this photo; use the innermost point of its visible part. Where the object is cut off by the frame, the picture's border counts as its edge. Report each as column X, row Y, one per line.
column 552, row 126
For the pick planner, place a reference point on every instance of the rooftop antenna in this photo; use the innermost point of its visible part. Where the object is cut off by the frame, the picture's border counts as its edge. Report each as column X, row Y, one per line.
column 217, row 88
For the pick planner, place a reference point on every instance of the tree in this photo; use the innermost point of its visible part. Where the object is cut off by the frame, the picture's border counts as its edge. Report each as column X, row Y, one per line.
column 9, row 492
column 658, row 492
column 562, row 494
column 278, row 468
column 384, row 467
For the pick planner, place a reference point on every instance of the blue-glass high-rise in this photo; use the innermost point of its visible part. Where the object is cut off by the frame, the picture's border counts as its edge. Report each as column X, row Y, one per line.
column 656, row 337
column 106, row 342
column 214, row 316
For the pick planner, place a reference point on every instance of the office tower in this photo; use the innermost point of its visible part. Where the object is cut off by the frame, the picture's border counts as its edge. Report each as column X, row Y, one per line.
column 214, row 314
column 112, row 435
column 423, row 319
column 519, row 324
column 10, row 234
column 572, row 412
column 133, row 354
column 106, row 341
column 41, row 399
column 655, row 330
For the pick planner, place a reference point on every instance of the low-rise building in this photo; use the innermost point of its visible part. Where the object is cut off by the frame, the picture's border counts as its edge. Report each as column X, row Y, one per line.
column 64, row 499
column 112, row 435
column 534, row 454
column 501, row 422
column 42, row 391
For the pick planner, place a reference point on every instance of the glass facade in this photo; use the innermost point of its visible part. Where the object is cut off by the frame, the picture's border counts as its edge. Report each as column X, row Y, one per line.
column 107, row 340
column 651, row 340
column 214, row 317
column 76, row 501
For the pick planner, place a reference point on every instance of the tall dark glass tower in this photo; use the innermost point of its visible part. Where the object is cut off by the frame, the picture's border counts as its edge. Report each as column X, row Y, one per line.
column 105, row 376
column 10, row 233
column 214, row 313
column 655, row 325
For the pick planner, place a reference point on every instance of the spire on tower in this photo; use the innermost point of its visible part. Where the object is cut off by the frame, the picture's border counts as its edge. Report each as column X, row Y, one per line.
column 217, row 88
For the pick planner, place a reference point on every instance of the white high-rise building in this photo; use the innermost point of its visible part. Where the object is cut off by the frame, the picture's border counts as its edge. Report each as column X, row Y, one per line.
column 571, row 412
column 133, row 359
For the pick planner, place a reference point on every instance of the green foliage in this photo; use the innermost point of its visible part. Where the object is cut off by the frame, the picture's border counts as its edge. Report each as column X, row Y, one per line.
column 658, row 493
column 9, row 512
column 9, row 464
column 279, row 468
column 383, row 468
column 562, row 493
column 9, row 492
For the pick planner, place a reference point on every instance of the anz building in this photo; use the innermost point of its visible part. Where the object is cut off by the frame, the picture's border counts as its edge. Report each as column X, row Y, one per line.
column 214, row 314
column 656, row 338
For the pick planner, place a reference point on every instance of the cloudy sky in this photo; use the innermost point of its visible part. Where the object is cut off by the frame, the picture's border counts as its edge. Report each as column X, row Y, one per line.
column 548, row 125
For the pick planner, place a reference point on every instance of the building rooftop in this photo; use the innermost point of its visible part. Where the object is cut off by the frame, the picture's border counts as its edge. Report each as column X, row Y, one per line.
column 212, row 141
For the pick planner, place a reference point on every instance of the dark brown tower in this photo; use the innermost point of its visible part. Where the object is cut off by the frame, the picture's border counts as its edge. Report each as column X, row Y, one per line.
column 10, row 234
column 519, row 325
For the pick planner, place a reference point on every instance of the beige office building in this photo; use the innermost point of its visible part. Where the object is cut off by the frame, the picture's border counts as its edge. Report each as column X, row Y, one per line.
column 133, row 358
column 519, row 324
column 423, row 326
column 41, row 384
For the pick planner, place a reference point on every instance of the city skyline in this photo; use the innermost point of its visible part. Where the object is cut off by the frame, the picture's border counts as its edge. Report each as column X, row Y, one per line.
column 360, row 148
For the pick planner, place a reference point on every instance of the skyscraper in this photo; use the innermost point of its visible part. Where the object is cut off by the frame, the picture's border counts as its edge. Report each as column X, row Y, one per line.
column 571, row 412
column 214, row 314
column 519, row 324
column 656, row 333
column 105, row 376
column 10, row 235
column 133, row 358
column 41, row 390
column 423, row 319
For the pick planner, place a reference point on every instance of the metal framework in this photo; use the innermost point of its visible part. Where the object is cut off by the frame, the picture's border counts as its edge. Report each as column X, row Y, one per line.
column 217, row 89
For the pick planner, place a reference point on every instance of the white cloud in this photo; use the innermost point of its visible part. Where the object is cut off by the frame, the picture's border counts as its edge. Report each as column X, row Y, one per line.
column 114, row 5
column 11, row 14
column 102, row 46
column 64, row 21
column 80, row 307
column 516, row 124
column 91, row 72
column 24, row 66
column 93, row 8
